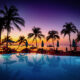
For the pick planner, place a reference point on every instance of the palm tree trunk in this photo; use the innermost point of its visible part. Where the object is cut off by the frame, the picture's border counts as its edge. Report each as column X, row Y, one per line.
column 0, row 37
column 53, row 43
column 70, row 42
column 7, row 39
column 36, row 42
column 8, row 30
column 18, row 47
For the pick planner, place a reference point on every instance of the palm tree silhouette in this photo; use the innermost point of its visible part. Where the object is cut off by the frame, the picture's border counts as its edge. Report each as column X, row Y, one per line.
column 7, row 39
column 11, row 16
column 52, row 35
column 21, row 40
column 36, row 34
column 78, row 37
column 69, row 28
column 1, row 27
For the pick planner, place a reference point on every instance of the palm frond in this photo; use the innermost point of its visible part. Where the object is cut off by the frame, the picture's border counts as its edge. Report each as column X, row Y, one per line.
column 21, row 39
column 17, row 26
column 6, row 8
column 41, row 35
column 36, row 30
column 78, row 37
column 52, row 32
column 34, row 38
column 2, row 12
column 19, row 20
column 63, row 31
column 48, row 38
column 53, row 35
column 68, row 28
column 11, row 15
column 6, row 39
column 56, row 36
column 30, row 35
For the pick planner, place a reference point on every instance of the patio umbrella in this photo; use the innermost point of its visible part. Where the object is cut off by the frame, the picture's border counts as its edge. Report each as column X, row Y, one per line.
column 74, row 44
column 42, row 44
column 57, row 43
column 26, row 43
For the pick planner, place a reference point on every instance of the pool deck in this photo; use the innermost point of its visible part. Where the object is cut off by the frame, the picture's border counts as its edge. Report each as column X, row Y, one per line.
column 58, row 53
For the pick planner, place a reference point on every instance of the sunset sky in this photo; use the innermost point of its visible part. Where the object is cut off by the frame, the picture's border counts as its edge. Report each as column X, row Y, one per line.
column 46, row 14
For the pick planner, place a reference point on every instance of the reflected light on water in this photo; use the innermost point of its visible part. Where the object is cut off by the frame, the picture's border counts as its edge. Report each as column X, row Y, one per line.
column 34, row 66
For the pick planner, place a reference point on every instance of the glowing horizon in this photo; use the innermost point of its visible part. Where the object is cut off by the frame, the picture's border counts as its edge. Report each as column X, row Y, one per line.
column 46, row 14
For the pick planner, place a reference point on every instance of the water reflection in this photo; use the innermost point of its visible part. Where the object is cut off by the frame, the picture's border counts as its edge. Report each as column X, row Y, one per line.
column 6, row 73
column 53, row 61
column 38, row 67
column 21, row 57
column 36, row 64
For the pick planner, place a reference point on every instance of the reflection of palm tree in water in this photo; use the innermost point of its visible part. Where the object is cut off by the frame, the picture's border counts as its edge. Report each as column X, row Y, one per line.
column 7, row 60
column 8, row 72
column 53, row 62
column 21, row 57
column 36, row 64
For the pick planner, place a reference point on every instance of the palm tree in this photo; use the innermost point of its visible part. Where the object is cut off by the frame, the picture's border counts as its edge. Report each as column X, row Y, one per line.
column 21, row 40
column 7, row 39
column 11, row 16
column 36, row 34
column 52, row 35
column 1, row 27
column 69, row 28
column 78, row 37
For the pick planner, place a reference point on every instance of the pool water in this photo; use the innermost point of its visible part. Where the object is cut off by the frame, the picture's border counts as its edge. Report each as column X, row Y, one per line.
column 30, row 66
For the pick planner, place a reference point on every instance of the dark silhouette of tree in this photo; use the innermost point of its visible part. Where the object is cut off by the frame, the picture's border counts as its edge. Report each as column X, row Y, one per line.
column 69, row 28
column 53, row 35
column 21, row 40
column 7, row 39
column 36, row 34
column 11, row 16
column 78, row 37
column 1, row 27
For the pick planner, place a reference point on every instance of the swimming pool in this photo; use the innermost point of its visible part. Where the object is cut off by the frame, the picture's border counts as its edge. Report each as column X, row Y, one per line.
column 30, row 66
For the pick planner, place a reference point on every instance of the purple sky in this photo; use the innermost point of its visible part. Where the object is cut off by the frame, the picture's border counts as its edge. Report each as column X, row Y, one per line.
column 46, row 14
